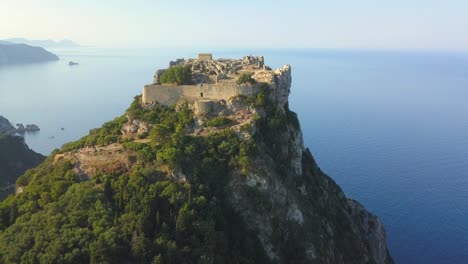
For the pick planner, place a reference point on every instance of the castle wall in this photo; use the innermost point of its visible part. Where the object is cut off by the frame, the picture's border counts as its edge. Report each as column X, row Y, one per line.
column 205, row 56
column 169, row 95
column 279, row 81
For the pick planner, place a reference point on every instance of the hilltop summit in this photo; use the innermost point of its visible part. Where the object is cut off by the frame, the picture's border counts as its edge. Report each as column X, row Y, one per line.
column 198, row 170
column 219, row 80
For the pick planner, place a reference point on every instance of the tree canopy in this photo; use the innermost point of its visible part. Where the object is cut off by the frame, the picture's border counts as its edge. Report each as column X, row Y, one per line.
column 143, row 216
column 177, row 74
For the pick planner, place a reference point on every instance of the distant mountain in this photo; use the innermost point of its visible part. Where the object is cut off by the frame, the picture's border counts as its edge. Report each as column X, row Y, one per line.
column 48, row 43
column 21, row 53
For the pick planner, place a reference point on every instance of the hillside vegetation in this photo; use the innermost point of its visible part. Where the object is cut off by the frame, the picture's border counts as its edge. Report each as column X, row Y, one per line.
column 143, row 215
column 15, row 157
column 163, row 185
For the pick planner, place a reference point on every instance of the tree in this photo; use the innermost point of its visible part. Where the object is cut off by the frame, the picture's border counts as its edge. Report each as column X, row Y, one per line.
column 160, row 133
column 177, row 74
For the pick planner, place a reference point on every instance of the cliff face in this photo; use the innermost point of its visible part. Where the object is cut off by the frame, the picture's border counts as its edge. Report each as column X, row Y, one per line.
column 232, row 184
column 299, row 213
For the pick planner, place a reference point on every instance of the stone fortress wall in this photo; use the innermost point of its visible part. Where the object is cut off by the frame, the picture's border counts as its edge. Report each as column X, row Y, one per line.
column 170, row 94
column 216, row 80
column 205, row 56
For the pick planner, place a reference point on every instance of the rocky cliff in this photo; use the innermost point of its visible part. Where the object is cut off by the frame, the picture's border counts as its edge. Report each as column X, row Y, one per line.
column 299, row 213
column 175, row 185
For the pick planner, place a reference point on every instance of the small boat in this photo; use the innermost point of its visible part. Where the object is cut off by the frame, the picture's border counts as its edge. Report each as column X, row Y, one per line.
column 72, row 63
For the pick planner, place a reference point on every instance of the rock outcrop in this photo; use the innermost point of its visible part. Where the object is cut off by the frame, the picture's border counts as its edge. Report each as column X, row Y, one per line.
column 135, row 128
column 373, row 230
column 296, row 205
column 157, row 76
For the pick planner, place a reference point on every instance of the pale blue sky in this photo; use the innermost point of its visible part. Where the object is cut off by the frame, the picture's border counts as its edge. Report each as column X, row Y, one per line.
column 397, row 24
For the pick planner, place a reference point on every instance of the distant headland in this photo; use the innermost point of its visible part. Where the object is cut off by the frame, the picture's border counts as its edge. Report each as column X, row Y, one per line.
column 46, row 43
column 11, row 53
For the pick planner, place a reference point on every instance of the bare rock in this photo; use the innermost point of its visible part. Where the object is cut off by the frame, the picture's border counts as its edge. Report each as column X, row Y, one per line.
column 373, row 230
column 157, row 76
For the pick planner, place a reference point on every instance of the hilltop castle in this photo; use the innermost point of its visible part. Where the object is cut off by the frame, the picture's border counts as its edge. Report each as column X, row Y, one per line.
column 216, row 80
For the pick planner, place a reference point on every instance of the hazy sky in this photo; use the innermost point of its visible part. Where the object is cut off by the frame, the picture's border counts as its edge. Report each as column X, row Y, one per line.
column 394, row 24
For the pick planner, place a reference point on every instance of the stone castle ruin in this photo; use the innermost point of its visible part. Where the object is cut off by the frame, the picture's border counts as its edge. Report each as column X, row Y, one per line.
column 216, row 80
column 205, row 56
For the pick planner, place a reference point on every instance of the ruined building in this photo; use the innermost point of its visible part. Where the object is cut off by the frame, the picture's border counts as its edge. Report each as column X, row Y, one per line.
column 216, row 80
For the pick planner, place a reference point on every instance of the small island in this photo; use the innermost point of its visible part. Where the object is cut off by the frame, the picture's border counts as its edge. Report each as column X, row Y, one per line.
column 28, row 128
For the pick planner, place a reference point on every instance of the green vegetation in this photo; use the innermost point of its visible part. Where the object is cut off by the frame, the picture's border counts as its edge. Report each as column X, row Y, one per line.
column 178, row 197
column 107, row 134
column 277, row 121
column 143, row 216
column 218, row 121
column 258, row 100
column 177, row 74
column 246, row 78
column 15, row 159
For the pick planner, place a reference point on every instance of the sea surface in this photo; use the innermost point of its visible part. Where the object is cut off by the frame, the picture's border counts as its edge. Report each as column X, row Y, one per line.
column 390, row 127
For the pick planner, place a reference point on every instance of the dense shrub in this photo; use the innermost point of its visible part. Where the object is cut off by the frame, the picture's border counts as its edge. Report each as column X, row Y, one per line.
column 109, row 133
column 177, row 74
column 218, row 121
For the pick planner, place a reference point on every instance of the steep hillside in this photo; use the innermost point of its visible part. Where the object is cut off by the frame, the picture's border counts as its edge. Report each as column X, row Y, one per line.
column 15, row 157
column 162, row 184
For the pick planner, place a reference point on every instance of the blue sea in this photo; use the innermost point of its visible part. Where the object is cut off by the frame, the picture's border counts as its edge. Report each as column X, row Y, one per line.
column 391, row 127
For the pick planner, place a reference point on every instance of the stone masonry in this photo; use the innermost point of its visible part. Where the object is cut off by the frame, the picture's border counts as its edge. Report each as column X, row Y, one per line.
column 216, row 80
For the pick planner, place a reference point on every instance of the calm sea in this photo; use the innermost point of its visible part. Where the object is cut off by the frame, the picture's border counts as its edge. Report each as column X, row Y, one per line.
column 390, row 127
